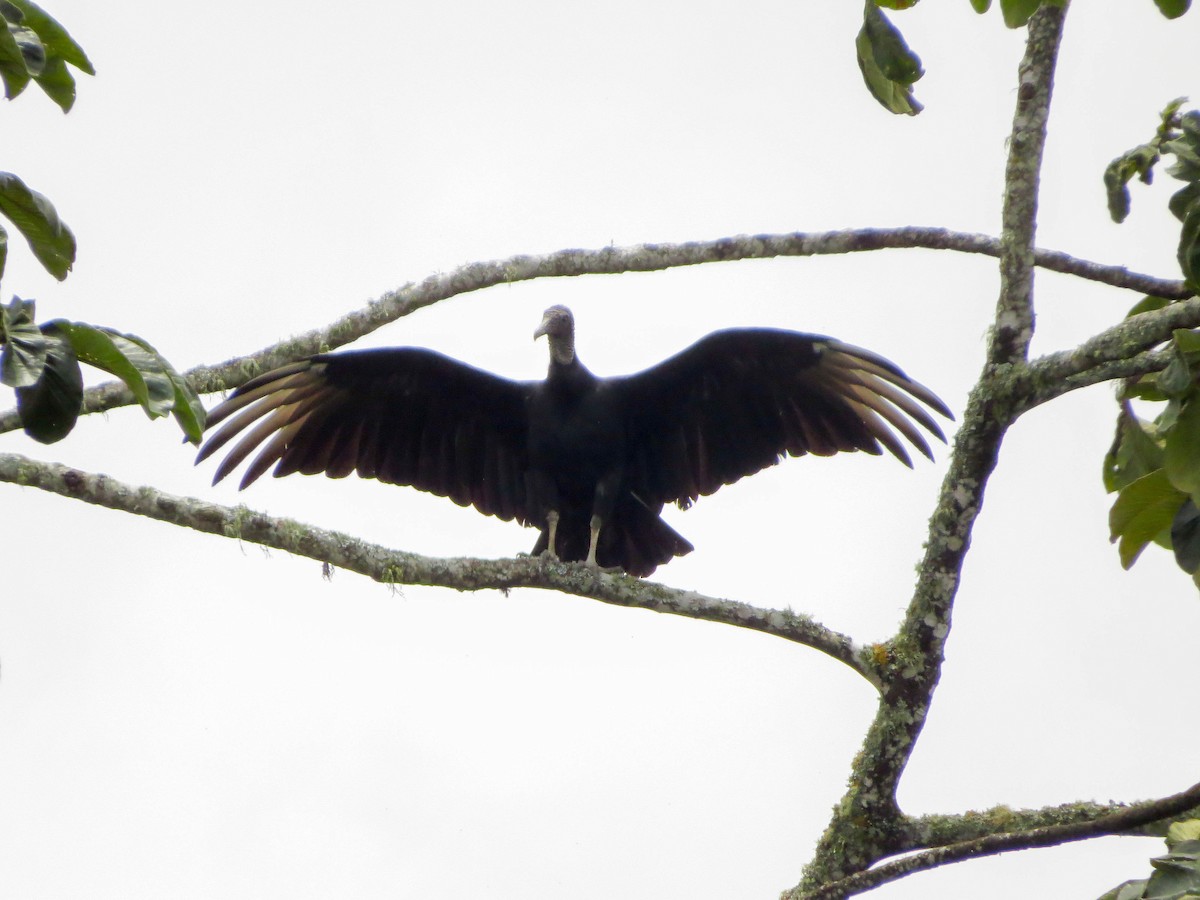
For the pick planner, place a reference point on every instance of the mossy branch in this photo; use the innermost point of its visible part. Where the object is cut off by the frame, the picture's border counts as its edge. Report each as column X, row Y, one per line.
column 1004, row 833
column 867, row 824
column 397, row 567
column 607, row 261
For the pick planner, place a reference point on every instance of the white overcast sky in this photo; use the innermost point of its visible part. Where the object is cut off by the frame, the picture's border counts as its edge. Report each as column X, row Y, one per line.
column 185, row 716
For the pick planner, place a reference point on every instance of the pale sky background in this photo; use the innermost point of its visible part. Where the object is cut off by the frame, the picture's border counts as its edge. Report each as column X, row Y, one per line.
column 184, row 716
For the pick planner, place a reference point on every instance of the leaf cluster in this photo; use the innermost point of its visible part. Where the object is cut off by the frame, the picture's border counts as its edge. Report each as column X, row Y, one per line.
column 1178, row 135
column 890, row 68
column 1154, row 465
column 1176, row 874
column 42, row 363
column 35, row 47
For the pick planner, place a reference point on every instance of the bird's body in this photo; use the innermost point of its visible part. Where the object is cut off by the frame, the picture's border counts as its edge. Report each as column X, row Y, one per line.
column 589, row 461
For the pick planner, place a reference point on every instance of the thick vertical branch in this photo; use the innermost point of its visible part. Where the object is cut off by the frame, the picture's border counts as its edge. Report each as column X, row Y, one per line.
column 1013, row 328
column 867, row 824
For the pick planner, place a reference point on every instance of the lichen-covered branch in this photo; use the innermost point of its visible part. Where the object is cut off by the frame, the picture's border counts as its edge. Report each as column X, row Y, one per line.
column 867, row 824
column 1014, row 831
column 1013, row 328
column 397, row 567
column 1123, row 351
column 609, row 260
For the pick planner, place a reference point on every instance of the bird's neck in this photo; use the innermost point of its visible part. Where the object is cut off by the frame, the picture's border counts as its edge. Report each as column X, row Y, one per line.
column 562, row 350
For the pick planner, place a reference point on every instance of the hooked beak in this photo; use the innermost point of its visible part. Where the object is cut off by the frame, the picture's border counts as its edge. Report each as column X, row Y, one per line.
column 543, row 329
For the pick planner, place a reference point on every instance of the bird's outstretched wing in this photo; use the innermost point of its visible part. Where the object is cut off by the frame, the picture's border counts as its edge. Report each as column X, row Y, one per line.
column 737, row 401
column 403, row 415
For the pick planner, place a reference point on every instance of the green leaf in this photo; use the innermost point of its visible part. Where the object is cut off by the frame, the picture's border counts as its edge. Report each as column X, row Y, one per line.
column 889, row 68
column 154, row 382
column 1173, row 9
column 33, row 51
column 1188, row 342
column 981, row 6
column 897, row 4
column 12, row 65
column 1189, row 124
column 58, row 83
column 1187, row 830
column 119, row 355
column 3, row 249
column 50, row 408
column 895, row 60
column 1149, row 303
column 1143, row 512
column 1189, row 245
column 1187, row 160
column 1185, row 537
column 1176, row 379
column 187, row 408
column 1185, row 145
column 56, row 39
column 24, row 355
column 1177, row 874
column 1134, row 454
column 1130, row 890
column 1181, row 456
column 1138, row 161
column 1143, row 388
column 35, row 217
column 1184, row 199
column 1017, row 12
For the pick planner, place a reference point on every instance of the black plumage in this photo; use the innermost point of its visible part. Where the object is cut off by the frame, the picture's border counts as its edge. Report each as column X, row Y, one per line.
column 589, row 461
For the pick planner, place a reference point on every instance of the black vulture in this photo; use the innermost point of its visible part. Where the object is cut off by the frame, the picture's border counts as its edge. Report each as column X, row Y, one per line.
column 588, row 461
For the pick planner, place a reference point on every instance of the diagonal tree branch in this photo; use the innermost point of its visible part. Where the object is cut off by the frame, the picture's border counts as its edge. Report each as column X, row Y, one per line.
column 1122, row 821
column 397, row 567
column 867, row 824
column 1121, row 351
column 611, row 260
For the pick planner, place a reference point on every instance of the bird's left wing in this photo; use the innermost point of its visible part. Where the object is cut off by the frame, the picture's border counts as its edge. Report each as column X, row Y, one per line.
column 403, row 415
column 737, row 401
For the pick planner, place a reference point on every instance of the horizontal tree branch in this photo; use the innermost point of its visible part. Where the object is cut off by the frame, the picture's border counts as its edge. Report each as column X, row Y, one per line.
column 939, row 830
column 607, row 261
column 1123, row 821
column 397, row 567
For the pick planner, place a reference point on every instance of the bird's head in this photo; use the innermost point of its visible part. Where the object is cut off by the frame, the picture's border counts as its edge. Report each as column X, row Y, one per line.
column 558, row 325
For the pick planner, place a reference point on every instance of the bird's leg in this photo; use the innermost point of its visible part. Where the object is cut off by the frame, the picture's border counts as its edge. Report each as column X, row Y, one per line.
column 590, row 562
column 552, row 523
column 591, row 557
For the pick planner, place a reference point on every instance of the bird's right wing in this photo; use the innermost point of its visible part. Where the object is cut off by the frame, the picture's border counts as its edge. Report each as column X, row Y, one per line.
column 737, row 401
column 402, row 415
